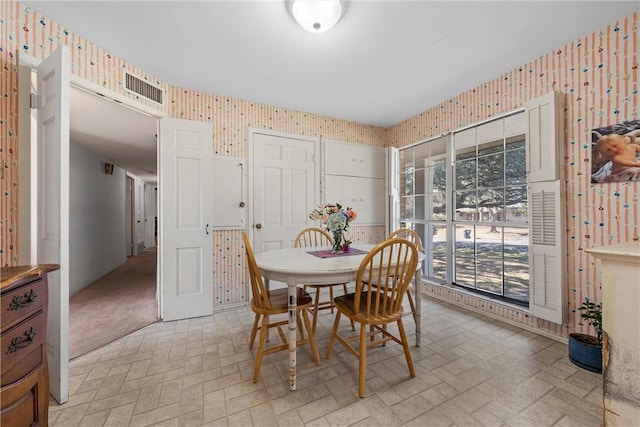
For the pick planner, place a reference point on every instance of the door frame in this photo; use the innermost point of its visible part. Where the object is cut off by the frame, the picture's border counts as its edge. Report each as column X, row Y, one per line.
column 129, row 214
column 317, row 141
column 27, row 143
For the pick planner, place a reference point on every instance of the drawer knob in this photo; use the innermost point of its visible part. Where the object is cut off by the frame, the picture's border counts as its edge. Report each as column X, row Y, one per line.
column 23, row 301
column 24, row 341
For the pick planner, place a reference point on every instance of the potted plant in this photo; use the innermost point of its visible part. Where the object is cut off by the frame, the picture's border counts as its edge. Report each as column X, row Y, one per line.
column 585, row 351
column 346, row 245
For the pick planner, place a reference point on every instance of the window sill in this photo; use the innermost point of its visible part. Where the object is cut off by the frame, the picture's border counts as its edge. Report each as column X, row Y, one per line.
column 462, row 291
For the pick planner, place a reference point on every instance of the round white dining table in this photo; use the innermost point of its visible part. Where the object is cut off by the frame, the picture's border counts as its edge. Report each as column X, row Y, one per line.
column 296, row 266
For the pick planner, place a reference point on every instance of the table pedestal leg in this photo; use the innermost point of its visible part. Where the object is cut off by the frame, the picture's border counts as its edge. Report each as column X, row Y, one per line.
column 417, row 286
column 291, row 286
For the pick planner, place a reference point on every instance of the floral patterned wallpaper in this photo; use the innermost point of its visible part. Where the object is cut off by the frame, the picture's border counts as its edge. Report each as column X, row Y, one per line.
column 597, row 75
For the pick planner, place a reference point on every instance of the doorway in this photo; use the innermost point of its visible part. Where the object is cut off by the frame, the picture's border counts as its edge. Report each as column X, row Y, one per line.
column 97, row 123
column 111, row 272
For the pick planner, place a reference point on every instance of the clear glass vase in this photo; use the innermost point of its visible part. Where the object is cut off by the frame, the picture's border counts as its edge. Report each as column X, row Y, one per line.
column 338, row 239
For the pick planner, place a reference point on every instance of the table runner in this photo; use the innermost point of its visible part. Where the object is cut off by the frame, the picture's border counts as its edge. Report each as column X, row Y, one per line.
column 328, row 253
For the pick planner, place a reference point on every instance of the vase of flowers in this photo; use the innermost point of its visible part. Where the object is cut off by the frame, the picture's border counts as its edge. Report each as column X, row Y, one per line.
column 336, row 220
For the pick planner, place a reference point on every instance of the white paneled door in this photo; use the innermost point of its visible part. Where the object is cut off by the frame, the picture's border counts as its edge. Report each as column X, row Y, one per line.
column 284, row 188
column 53, row 97
column 185, row 183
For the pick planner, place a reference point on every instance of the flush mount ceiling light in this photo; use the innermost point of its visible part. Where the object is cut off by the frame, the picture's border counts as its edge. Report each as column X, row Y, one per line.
column 316, row 16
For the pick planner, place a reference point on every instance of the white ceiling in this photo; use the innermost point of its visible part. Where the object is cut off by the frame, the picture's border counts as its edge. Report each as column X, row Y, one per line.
column 124, row 137
column 383, row 62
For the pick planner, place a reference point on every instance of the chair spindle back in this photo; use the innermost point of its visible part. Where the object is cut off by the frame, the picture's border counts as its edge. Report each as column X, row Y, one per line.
column 390, row 266
column 408, row 234
column 260, row 297
column 311, row 237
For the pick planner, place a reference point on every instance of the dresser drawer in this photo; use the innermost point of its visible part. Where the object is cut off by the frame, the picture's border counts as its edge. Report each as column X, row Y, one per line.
column 21, row 413
column 22, row 302
column 19, row 341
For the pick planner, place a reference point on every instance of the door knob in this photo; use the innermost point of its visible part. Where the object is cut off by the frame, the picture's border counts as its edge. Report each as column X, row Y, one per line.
column 258, row 226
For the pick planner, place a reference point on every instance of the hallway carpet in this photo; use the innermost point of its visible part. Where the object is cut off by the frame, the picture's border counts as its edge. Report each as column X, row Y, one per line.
column 115, row 305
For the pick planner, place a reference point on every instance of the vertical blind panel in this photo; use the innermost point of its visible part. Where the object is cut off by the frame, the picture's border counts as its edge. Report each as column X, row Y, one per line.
column 534, row 140
column 549, row 220
column 538, row 276
column 543, row 218
column 544, row 275
column 543, row 138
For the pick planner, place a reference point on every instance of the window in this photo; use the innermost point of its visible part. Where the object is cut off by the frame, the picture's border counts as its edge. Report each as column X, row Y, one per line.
column 486, row 201
column 466, row 195
column 423, row 201
column 490, row 215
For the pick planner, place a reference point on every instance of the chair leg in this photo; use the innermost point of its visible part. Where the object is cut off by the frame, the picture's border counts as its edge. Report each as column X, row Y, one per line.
column 252, row 338
column 316, row 303
column 331, row 298
column 263, row 338
column 363, row 360
column 344, row 288
column 412, row 304
column 312, row 338
column 334, row 331
column 299, row 325
column 405, row 346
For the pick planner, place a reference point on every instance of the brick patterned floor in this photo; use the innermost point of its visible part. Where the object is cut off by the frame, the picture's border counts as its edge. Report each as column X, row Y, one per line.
column 470, row 370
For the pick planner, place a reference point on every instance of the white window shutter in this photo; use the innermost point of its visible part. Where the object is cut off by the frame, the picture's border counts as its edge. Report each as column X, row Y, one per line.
column 544, row 138
column 392, row 204
column 546, row 251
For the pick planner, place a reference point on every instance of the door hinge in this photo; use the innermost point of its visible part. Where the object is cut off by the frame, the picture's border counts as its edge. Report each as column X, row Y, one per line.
column 33, row 101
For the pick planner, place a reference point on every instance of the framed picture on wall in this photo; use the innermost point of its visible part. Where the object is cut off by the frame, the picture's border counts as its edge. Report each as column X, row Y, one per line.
column 615, row 153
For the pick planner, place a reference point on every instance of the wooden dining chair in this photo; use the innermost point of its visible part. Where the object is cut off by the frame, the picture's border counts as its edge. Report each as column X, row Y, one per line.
column 269, row 303
column 413, row 237
column 312, row 237
column 390, row 265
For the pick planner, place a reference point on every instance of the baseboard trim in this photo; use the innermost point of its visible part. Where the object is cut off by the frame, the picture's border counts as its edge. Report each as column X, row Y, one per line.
column 528, row 328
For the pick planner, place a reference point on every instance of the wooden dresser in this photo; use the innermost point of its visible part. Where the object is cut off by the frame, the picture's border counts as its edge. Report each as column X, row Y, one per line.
column 24, row 392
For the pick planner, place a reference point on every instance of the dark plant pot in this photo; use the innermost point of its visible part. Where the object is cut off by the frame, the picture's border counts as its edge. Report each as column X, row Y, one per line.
column 345, row 248
column 585, row 352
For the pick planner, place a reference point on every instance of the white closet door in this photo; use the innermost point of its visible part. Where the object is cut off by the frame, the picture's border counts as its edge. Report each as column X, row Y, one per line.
column 284, row 188
column 185, row 218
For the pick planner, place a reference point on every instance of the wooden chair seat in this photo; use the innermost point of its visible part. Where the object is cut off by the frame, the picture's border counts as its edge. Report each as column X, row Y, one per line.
column 346, row 303
column 280, row 301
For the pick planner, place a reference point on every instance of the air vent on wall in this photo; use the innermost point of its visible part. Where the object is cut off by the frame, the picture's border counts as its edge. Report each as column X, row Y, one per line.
column 143, row 88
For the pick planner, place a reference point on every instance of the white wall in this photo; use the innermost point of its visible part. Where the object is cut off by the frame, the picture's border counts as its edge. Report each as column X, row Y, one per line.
column 97, row 240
